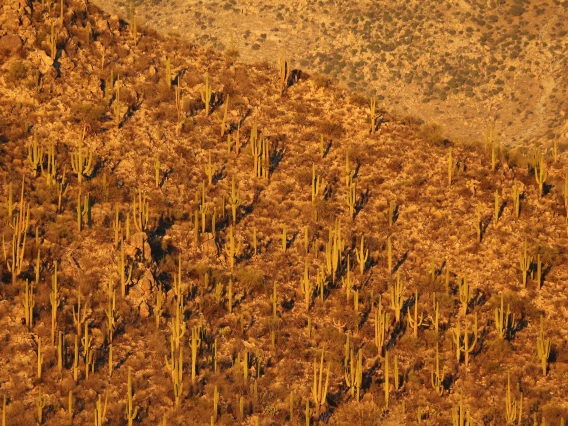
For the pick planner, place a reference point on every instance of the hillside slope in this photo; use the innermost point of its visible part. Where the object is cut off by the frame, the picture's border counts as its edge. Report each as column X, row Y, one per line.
column 461, row 64
column 226, row 276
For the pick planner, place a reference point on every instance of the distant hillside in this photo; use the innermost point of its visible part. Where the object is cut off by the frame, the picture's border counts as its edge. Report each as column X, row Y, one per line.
column 461, row 64
column 189, row 239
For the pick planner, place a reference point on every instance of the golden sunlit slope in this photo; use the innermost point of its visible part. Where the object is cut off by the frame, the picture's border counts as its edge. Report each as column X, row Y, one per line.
column 252, row 245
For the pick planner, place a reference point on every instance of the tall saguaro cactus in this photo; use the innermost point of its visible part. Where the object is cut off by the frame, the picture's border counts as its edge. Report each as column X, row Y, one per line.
column 284, row 73
column 373, row 116
column 543, row 348
column 80, row 161
column 35, row 155
column 362, row 256
column 437, row 379
column 130, row 412
column 319, row 391
column 396, row 297
column 464, row 343
column 206, row 94
column 525, row 263
column 234, row 200
column 511, row 405
column 381, row 327
column 140, row 212
column 540, row 174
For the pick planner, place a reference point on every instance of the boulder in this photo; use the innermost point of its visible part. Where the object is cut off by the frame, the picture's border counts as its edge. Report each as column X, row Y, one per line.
column 139, row 241
column 101, row 25
column 41, row 60
column 10, row 43
column 147, row 283
column 140, row 293
column 137, row 298
column 209, row 245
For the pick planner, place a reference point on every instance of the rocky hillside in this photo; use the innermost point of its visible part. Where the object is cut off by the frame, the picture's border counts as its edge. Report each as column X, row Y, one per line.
column 191, row 240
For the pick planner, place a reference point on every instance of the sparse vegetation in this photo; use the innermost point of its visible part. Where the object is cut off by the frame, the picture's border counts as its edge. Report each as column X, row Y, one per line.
column 327, row 272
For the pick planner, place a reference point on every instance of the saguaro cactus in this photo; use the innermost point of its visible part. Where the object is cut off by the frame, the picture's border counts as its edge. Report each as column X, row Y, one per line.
column 362, row 256
column 516, row 195
column 210, row 169
column 100, row 411
column 413, row 321
column 234, row 200
column 29, row 303
column 306, row 286
column 450, row 167
column 140, row 211
column 543, row 348
column 354, row 372
column 80, row 161
column 195, row 344
column 525, row 263
column 175, row 365
column 373, row 114
column 232, row 249
column 284, row 73
column 396, row 297
column 130, row 412
column 206, row 94
column 381, row 327
column 55, row 302
column 319, row 392
column 464, row 294
column 511, row 404
column 40, row 401
column 52, row 42
column 461, row 415
column 540, row 173
column 35, row 155
column 437, row 379
column 318, row 184
column 504, row 321
column 351, row 199
column 464, row 344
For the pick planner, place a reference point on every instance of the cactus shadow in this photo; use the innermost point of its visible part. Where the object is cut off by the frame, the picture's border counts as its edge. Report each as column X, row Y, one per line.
column 400, row 262
column 361, row 202
column 395, row 213
column 356, row 172
column 248, row 209
column 327, row 148
column 501, row 210
column 484, row 225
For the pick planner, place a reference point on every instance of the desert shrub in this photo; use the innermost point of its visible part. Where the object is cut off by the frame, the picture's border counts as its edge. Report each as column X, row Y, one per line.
column 17, row 71
column 320, row 80
column 412, row 121
column 330, row 129
column 304, row 176
column 432, row 133
column 250, row 278
column 516, row 10
column 88, row 113
column 359, row 100
column 166, row 112
column 554, row 413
